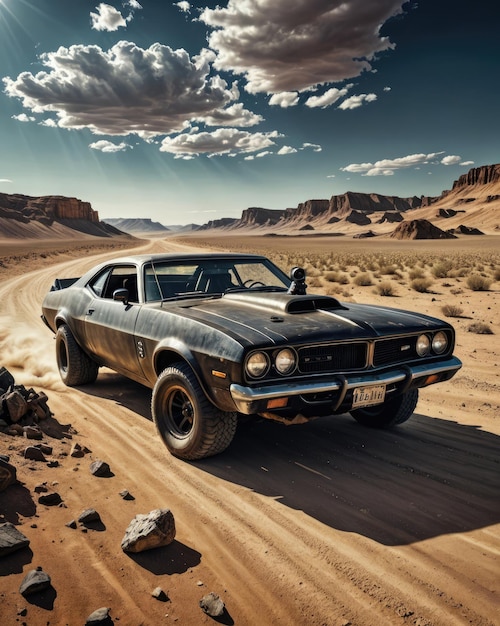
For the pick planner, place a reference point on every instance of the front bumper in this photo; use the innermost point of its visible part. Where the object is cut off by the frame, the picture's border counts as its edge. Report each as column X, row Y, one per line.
column 250, row 400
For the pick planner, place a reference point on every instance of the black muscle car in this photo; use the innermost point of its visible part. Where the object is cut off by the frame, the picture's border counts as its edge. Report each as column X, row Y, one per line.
column 217, row 335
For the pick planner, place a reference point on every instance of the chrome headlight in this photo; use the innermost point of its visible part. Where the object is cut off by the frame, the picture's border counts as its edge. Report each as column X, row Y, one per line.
column 423, row 345
column 439, row 342
column 285, row 361
column 257, row 365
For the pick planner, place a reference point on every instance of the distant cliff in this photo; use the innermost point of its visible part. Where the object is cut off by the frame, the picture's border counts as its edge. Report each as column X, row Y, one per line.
column 137, row 225
column 479, row 176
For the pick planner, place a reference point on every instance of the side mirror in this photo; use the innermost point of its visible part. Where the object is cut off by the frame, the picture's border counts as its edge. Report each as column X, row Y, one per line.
column 298, row 285
column 121, row 295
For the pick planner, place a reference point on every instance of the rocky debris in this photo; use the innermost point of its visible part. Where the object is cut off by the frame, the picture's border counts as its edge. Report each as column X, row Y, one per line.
column 100, row 468
column 306, row 227
column 34, row 454
column 466, row 230
column 78, row 451
column 212, row 605
column 35, row 580
column 365, row 235
column 88, row 516
column 419, row 229
column 50, row 499
column 390, row 216
column 160, row 595
column 446, row 213
column 17, row 402
column 359, row 218
column 11, row 539
column 152, row 530
column 100, row 617
column 126, row 495
column 8, row 474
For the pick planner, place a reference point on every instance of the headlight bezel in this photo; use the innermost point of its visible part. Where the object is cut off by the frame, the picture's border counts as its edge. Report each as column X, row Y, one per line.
column 436, row 348
column 266, row 365
column 293, row 360
column 425, row 342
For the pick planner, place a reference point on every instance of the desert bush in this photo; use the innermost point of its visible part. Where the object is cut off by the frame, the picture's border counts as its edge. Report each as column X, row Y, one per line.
column 386, row 289
column 337, row 277
column 496, row 274
column 388, row 269
column 314, row 282
column 452, row 310
column 480, row 328
column 363, row 280
column 416, row 272
column 478, row 283
column 421, row 284
column 457, row 291
column 441, row 269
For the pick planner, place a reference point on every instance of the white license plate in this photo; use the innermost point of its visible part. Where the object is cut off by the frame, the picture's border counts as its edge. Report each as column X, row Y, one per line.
column 368, row 396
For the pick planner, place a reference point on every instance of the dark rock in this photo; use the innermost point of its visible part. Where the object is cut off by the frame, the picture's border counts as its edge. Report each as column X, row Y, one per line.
column 100, row 468
column 71, row 524
column 34, row 581
column 50, row 499
column 153, row 530
column 11, row 539
column 34, row 454
column 126, row 495
column 32, row 432
column 7, row 474
column 15, row 405
column 88, row 516
column 419, row 229
column 159, row 594
column 6, row 378
column 100, row 617
column 212, row 605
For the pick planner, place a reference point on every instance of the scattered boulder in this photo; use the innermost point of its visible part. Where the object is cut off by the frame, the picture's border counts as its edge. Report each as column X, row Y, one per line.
column 365, row 235
column 34, row 454
column 466, row 230
column 212, row 605
column 306, row 227
column 11, row 539
column 159, row 594
column 359, row 218
column 391, row 216
column 100, row 617
column 34, row 581
column 17, row 402
column 88, row 516
column 100, row 468
column 8, row 474
column 152, row 530
column 50, row 499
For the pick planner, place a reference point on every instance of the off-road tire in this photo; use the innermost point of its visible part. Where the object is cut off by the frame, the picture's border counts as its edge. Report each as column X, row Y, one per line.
column 189, row 424
column 391, row 413
column 75, row 367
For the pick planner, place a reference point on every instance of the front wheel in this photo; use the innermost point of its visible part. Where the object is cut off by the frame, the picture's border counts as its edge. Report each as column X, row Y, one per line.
column 188, row 423
column 75, row 367
column 391, row 413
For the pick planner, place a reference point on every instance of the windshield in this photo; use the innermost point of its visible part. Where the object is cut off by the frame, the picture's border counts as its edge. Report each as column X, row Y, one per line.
column 173, row 279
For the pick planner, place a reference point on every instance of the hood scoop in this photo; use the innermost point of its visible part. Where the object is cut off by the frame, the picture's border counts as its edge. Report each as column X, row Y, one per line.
column 284, row 303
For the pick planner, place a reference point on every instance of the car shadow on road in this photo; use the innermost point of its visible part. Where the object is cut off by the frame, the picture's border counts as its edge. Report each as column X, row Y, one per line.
column 427, row 478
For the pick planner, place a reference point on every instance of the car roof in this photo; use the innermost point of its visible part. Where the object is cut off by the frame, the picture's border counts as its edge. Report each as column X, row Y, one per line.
column 146, row 258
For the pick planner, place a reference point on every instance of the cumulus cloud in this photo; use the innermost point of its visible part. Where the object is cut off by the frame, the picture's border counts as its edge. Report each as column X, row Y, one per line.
column 128, row 89
column 184, row 6
column 107, row 18
column 22, row 117
column 465, row 163
column 294, row 45
column 314, row 146
column 287, row 150
column 6, row 180
column 356, row 101
column 328, row 98
column 452, row 159
column 222, row 141
column 387, row 167
column 108, row 146
column 284, row 99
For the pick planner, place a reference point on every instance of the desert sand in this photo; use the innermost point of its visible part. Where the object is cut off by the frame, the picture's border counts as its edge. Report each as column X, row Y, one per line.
column 327, row 523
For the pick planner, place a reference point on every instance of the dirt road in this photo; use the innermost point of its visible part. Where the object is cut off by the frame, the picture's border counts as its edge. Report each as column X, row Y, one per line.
column 323, row 524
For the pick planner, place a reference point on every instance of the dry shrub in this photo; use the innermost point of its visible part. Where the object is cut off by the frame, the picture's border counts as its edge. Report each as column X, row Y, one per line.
column 388, row 269
column 496, row 274
column 452, row 310
column 363, row 280
column 421, row 284
column 416, row 272
column 337, row 277
column 478, row 283
column 314, row 282
column 480, row 328
column 442, row 269
column 386, row 289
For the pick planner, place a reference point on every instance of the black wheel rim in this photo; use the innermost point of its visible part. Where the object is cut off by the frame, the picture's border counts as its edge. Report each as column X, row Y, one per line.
column 179, row 413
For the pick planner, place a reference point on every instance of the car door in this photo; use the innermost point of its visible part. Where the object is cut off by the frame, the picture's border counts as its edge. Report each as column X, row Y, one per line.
column 110, row 324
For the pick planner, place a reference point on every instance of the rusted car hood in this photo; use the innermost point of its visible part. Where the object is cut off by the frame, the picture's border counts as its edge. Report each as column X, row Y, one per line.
column 280, row 318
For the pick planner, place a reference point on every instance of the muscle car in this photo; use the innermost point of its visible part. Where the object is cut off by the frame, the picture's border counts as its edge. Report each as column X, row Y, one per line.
column 220, row 335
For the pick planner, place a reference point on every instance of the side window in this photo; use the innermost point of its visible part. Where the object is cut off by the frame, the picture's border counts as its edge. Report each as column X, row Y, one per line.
column 118, row 277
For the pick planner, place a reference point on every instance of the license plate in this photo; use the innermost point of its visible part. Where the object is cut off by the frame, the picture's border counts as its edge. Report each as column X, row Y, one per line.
column 368, row 396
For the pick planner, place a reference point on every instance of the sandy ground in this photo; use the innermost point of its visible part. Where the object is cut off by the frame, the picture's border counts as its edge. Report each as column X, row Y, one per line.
column 322, row 524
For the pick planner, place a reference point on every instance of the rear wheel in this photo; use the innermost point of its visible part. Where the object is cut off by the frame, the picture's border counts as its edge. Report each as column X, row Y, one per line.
column 391, row 413
column 188, row 423
column 75, row 367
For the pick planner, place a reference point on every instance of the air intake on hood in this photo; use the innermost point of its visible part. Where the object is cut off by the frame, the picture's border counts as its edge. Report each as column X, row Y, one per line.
column 284, row 303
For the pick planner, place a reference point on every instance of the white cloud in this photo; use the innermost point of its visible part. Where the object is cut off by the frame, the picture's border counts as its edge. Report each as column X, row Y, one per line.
column 108, row 146
column 284, row 99
column 107, row 18
column 128, row 89
column 387, row 88
column 184, row 6
column 133, row 4
column 287, row 150
column 222, row 141
column 22, row 117
column 314, row 146
column 356, row 101
column 328, row 98
column 451, row 160
column 6, row 180
column 294, row 45
column 465, row 163
column 387, row 167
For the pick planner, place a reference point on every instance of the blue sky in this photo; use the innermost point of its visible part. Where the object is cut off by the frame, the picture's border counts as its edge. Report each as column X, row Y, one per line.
column 191, row 111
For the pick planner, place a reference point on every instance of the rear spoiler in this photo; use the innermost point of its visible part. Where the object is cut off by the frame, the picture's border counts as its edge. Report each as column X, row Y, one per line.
column 62, row 283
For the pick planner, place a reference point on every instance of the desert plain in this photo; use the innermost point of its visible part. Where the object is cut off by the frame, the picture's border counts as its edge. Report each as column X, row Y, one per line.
column 323, row 524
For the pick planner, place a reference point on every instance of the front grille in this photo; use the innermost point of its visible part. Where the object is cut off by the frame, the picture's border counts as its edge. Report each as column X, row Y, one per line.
column 331, row 358
column 396, row 350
